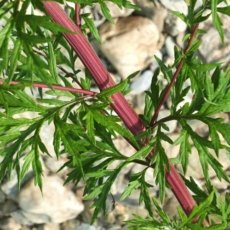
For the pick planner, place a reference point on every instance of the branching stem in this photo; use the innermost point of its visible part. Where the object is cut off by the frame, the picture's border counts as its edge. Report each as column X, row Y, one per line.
column 175, row 76
column 57, row 87
column 130, row 118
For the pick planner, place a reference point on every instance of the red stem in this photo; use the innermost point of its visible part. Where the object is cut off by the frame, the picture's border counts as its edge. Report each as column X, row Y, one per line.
column 92, row 62
column 77, row 14
column 57, row 87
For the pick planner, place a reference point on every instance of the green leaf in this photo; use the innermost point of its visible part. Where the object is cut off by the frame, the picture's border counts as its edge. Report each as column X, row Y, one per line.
column 133, row 185
column 185, row 150
column 161, row 164
column 4, row 54
column 94, row 194
column 203, row 155
column 52, row 62
column 36, row 164
column 34, row 39
column 68, row 143
column 112, row 90
column 192, row 185
column 36, row 21
column 216, row 19
column 117, row 88
column 214, row 137
column 198, row 210
column 144, row 195
column 165, row 70
column 224, row 10
column 14, row 59
column 26, row 164
column 180, row 15
column 90, row 126
column 4, row 32
column 160, row 211
column 109, row 123
column 105, row 10
column 143, row 152
column 90, row 24
column 224, row 129
column 100, row 203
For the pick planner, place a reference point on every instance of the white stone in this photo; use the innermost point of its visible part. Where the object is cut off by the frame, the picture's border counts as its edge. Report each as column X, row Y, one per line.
column 130, row 43
column 153, row 10
column 142, row 83
column 116, row 11
column 174, row 25
column 175, row 5
column 55, row 204
column 10, row 188
column 10, row 224
column 85, row 226
column 169, row 44
column 46, row 134
column 214, row 50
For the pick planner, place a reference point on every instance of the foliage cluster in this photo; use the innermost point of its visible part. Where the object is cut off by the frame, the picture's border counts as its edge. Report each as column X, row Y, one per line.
column 33, row 49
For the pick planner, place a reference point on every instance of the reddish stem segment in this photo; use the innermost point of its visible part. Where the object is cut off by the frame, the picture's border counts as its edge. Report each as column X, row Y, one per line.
column 90, row 59
column 177, row 186
column 92, row 62
column 78, row 14
column 57, row 87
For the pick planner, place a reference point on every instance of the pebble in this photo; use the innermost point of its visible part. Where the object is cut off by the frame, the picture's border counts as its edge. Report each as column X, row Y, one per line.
column 154, row 11
column 214, row 50
column 142, row 83
column 9, row 224
column 125, row 46
column 174, row 25
column 175, row 5
column 55, row 204
column 85, row 226
column 169, row 44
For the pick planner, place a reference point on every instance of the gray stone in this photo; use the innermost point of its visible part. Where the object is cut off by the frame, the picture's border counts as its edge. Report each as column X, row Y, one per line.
column 73, row 224
column 142, row 83
column 85, row 226
column 53, row 165
column 28, row 218
column 51, row 226
column 194, row 168
column 130, row 43
column 174, row 25
column 55, row 204
column 169, row 45
column 175, row 5
column 8, row 207
column 214, row 50
column 153, row 11
column 10, row 187
column 2, row 196
column 46, row 134
column 9, row 224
